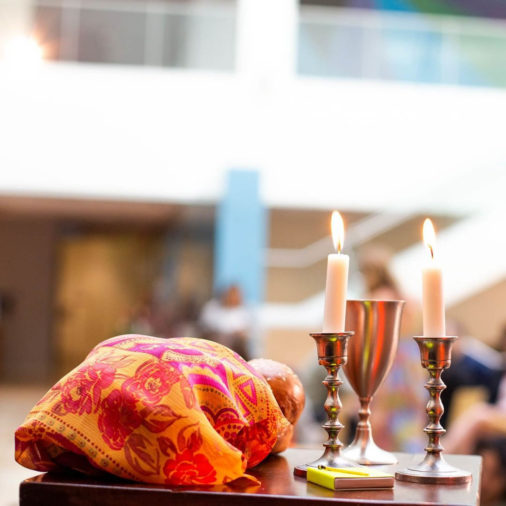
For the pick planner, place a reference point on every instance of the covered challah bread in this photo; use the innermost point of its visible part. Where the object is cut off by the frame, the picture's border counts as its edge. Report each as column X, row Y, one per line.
column 289, row 394
column 179, row 411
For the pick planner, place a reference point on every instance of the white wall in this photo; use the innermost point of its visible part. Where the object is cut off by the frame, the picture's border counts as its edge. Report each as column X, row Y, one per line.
column 169, row 135
column 157, row 134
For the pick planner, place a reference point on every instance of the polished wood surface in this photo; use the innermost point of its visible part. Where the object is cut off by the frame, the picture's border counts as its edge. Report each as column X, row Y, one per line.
column 278, row 487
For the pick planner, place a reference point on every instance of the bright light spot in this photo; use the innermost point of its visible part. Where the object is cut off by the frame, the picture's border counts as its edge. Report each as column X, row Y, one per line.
column 23, row 51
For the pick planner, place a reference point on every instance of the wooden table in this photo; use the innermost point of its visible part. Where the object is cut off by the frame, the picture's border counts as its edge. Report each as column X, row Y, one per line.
column 279, row 487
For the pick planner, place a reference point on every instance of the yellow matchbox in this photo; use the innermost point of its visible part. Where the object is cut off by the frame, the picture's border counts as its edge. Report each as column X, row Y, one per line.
column 350, row 479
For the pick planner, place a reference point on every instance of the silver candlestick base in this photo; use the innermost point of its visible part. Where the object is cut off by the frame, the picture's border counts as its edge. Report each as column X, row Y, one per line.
column 436, row 357
column 331, row 349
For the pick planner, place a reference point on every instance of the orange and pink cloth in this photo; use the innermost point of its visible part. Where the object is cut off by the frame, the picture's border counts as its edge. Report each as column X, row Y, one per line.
column 180, row 411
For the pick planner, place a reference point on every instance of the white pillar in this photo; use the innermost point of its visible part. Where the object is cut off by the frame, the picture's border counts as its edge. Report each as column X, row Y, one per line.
column 267, row 39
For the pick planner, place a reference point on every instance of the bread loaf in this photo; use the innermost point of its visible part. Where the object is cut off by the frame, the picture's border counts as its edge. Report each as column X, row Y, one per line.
column 287, row 390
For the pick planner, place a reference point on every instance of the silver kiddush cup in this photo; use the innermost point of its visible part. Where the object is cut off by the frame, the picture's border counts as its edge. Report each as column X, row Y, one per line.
column 371, row 352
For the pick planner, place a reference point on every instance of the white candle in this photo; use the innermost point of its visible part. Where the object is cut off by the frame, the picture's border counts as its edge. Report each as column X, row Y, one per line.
column 337, row 280
column 432, row 287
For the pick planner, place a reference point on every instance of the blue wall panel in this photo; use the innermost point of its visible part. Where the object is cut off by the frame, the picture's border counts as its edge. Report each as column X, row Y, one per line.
column 241, row 229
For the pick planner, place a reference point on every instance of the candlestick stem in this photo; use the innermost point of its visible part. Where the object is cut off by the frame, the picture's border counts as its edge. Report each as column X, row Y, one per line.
column 332, row 407
column 435, row 410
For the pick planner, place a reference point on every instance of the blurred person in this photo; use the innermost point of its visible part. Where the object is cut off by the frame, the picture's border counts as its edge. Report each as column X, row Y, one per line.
column 502, row 345
column 380, row 284
column 481, row 421
column 474, row 364
column 493, row 453
column 398, row 406
column 149, row 317
column 309, row 430
column 227, row 320
column 482, row 429
column 379, row 281
column 139, row 319
column 186, row 319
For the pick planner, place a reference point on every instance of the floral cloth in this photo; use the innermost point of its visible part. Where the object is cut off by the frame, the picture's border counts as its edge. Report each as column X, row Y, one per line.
column 180, row 411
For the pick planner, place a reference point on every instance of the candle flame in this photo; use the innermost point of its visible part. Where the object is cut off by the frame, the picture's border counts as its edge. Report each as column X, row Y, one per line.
column 429, row 236
column 337, row 226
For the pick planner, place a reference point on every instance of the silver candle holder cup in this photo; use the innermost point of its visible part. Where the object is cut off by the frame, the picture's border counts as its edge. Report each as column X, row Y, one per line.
column 435, row 355
column 332, row 354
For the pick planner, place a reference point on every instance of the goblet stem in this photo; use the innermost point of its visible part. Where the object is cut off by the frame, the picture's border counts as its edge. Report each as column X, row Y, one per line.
column 363, row 449
column 364, row 413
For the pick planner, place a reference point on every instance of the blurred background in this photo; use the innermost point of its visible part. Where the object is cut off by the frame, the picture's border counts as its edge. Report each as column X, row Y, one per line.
column 169, row 168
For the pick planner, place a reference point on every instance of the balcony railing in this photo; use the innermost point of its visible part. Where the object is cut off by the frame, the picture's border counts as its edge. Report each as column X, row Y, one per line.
column 168, row 34
column 332, row 42
column 356, row 43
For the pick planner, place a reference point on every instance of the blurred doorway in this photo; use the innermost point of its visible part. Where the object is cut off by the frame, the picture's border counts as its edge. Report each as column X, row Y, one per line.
column 102, row 279
column 70, row 271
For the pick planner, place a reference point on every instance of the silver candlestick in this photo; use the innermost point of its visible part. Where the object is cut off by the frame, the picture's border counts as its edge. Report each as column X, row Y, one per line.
column 332, row 353
column 436, row 357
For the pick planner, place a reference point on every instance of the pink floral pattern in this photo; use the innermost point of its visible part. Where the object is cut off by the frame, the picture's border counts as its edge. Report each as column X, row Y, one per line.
column 118, row 419
column 80, row 393
column 187, row 465
column 152, row 381
column 189, row 468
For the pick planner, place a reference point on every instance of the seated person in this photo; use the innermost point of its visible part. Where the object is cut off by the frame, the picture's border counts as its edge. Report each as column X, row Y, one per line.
column 482, row 429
